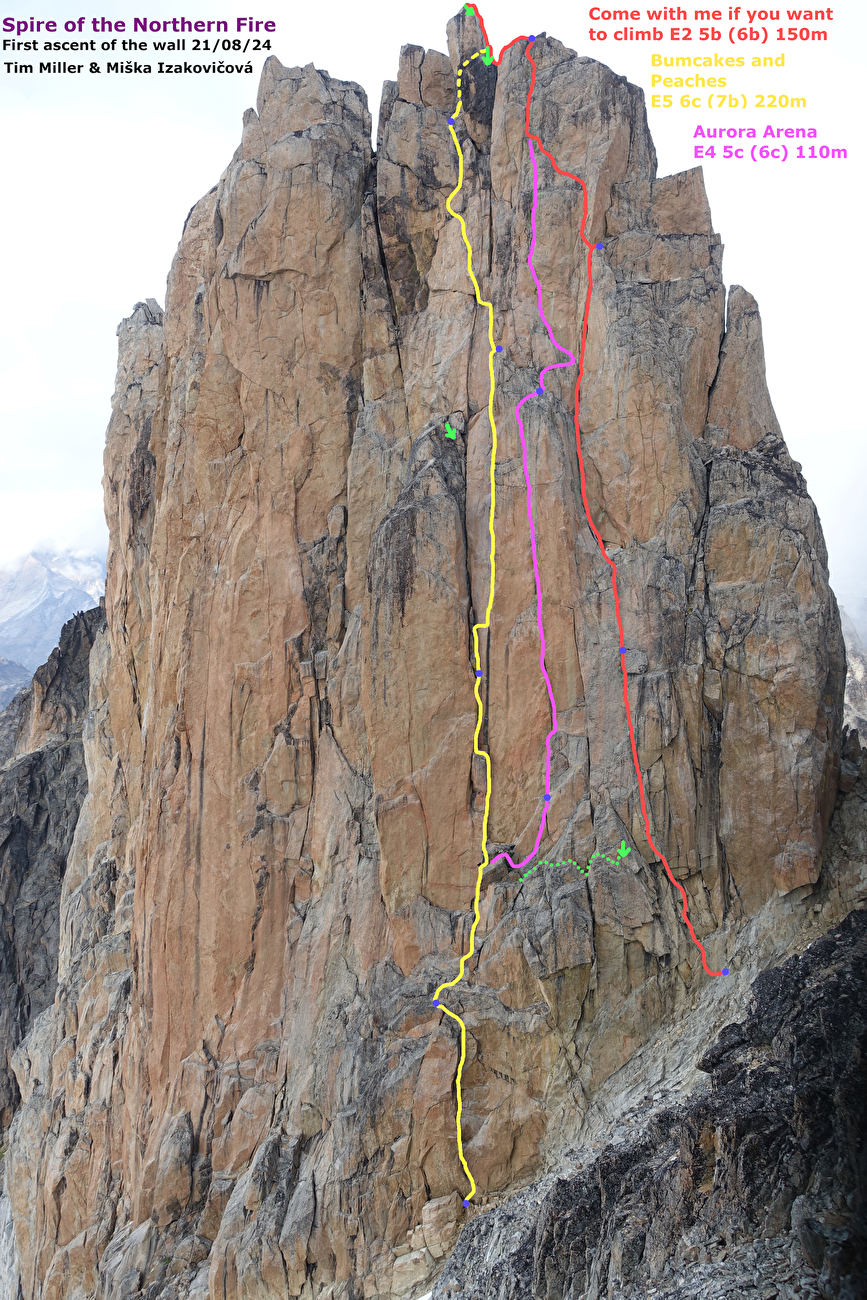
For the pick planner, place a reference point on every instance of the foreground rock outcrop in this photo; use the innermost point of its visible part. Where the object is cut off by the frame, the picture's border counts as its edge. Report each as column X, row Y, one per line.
column 757, row 1183
column 240, row 1088
column 42, row 787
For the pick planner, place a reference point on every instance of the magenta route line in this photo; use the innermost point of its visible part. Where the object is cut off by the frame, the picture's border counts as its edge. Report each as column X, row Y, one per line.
column 537, row 392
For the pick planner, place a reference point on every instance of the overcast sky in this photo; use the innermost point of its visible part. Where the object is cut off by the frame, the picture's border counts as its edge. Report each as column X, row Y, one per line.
column 101, row 172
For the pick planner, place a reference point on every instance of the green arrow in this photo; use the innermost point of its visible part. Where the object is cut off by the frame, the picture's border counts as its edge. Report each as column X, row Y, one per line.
column 450, row 432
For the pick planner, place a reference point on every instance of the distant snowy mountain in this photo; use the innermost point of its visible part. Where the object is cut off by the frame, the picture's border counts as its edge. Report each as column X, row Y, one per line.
column 856, row 613
column 855, row 710
column 86, row 571
column 37, row 595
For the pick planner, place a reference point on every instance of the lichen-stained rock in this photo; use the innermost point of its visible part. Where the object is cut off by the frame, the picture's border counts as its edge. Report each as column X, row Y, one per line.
column 764, row 558
column 241, row 1089
column 380, row 442
column 417, row 683
column 414, row 173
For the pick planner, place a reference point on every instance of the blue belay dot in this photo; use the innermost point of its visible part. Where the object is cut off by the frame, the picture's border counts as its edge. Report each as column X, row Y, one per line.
column 599, row 246
column 623, row 649
column 451, row 121
column 499, row 348
column 478, row 674
column 435, row 1003
column 531, row 38
column 540, row 391
column 466, row 1202
column 725, row 970
column 547, row 798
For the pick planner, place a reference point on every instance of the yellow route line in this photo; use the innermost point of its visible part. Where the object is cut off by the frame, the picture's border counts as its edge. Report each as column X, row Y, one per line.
column 477, row 627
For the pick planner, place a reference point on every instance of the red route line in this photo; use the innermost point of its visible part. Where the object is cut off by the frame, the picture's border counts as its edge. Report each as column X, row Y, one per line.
column 595, row 530
column 488, row 46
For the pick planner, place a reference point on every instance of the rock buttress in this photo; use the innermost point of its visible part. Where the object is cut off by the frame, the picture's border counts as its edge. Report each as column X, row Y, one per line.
column 42, row 786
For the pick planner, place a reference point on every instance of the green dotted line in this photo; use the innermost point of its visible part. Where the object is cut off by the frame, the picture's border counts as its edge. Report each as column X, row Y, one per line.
column 484, row 54
column 570, row 862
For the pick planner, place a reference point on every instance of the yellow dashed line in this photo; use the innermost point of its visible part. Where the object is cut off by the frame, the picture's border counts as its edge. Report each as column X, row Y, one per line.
column 476, row 629
column 465, row 64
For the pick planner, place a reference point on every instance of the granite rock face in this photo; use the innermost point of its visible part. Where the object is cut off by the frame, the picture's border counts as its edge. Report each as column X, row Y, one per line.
column 241, row 1088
